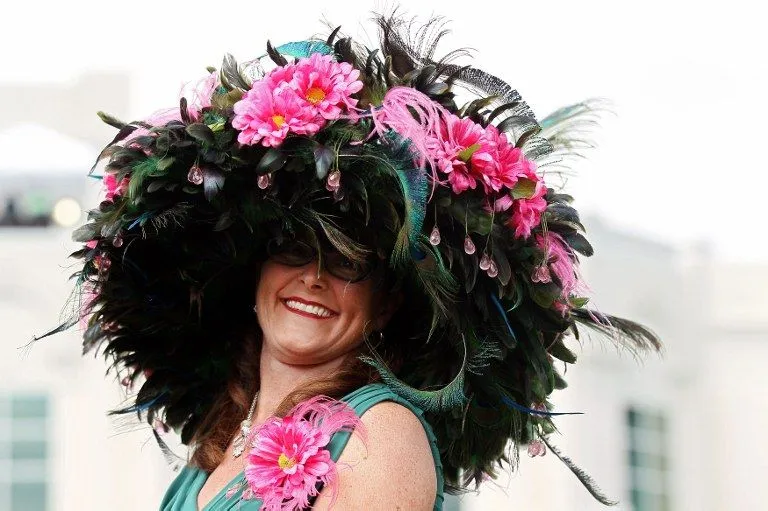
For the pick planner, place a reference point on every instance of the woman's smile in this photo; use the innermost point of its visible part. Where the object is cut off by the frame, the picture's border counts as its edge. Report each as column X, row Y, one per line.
column 308, row 308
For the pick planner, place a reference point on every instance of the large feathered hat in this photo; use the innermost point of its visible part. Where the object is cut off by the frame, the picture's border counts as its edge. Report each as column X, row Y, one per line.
column 369, row 150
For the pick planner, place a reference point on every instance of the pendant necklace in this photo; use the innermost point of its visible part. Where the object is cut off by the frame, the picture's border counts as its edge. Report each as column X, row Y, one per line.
column 245, row 429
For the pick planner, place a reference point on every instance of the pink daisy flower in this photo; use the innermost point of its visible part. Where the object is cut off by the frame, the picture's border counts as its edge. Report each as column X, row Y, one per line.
column 526, row 213
column 326, row 84
column 510, row 161
column 268, row 115
column 279, row 78
column 462, row 151
column 289, row 457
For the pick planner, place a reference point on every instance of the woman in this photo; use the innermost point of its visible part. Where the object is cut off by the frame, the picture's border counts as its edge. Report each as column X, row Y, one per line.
column 408, row 259
column 313, row 320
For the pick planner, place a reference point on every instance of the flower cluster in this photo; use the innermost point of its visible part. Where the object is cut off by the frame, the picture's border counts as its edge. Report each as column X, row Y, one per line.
column 289, row 456
column 296, row 98
column 300, row 98
column 470, row 154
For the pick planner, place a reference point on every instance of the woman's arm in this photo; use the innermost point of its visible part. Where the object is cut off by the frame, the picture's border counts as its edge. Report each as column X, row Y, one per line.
column 393, row 469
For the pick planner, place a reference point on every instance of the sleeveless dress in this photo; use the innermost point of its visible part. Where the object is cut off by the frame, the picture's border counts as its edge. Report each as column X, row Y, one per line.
column 183, row 492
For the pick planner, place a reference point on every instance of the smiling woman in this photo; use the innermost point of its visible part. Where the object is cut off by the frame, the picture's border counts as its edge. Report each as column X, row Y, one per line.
column 340, row 287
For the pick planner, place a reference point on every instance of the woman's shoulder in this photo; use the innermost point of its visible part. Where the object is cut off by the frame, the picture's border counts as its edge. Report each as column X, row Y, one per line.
column 390, row 465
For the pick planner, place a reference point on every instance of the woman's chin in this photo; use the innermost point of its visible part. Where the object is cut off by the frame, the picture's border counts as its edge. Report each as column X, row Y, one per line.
column 303, row 349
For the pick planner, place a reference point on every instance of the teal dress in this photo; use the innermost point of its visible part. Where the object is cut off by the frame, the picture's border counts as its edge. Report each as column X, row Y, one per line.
column 182, row 494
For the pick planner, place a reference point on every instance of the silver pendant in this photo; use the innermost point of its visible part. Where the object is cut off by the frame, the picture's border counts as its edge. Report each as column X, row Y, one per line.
column 239, row 443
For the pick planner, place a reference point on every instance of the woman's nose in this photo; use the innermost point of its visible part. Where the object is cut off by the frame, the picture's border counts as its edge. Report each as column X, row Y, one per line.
column 312, row 275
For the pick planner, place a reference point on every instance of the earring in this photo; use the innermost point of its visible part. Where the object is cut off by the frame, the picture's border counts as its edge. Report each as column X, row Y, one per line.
column 256, row 309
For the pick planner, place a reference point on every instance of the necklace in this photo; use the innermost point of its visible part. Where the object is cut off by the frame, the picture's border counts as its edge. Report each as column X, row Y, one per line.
column 245, row 428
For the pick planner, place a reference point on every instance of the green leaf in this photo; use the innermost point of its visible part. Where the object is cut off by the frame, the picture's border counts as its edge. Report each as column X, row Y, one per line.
column 295, row 164
column 467, row 153
column 578, row 302
column 524, row 188
column 225, row 220
column 227, row 100
column 323, row 160
column 201, row 132
column 165, row 162
column 560, row 382
column 85, row 233
column 272, row 160
column 579, row 243
column 155, row 186
column 560, row 352
column 213, row 182
column 545, row 294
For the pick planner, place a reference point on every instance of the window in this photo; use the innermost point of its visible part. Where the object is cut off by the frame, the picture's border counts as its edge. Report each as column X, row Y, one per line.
column 23, row 452
column 648, row 462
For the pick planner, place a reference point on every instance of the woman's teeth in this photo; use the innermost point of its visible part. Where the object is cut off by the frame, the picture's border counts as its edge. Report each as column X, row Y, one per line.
column 315, row 310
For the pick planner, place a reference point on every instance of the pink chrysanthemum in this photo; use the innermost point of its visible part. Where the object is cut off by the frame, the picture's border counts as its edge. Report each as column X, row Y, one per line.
column 326, row 84
column 510, row 163
column 462, row 151
column 289, row 457
column 279, row 78
column 526, row 213
column 268, row 116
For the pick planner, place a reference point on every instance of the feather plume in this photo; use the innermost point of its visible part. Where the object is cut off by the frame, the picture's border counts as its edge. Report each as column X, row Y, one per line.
column 449, row 397
column 303, row 49
column 583, row 477
column 414, row 183
column 627, row 333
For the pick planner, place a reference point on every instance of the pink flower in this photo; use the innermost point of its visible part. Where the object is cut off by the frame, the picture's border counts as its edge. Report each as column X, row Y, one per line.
column 279, row 78
column 289, row 457
column 461, row 150
column 526, row 212
column 503, row 203
column 268, row 116
column 326, row 84
column 510, row 161
column 113, row 188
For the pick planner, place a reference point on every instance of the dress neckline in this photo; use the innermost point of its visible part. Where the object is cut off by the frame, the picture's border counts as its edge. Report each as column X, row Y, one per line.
column 221, row 493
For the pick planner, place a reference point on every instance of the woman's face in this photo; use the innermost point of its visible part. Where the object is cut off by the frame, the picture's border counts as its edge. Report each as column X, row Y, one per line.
column 309, row 317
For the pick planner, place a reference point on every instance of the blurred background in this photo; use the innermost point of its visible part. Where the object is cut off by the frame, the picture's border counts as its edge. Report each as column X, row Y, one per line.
column 671, row 200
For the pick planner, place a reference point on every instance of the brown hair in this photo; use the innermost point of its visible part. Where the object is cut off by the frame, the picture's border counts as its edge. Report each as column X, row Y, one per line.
column 219, row 425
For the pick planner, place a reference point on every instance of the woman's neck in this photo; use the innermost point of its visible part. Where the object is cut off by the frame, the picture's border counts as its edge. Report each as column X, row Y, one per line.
column 278, row 379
